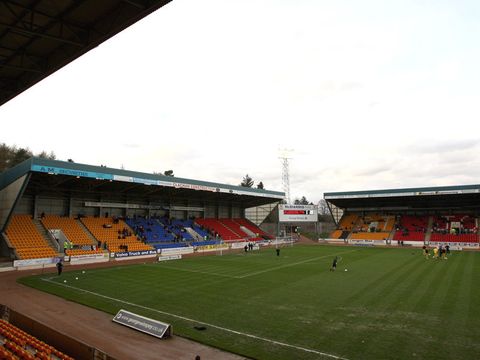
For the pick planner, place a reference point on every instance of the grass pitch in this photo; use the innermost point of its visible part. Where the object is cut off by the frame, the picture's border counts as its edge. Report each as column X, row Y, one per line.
column 390, row 304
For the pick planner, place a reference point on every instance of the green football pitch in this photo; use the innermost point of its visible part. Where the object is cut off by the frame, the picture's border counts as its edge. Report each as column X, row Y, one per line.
column 390, row 304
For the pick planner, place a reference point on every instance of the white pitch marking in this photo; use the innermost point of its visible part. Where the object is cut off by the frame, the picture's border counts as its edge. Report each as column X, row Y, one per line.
column 289, row 265
column 198, row 272
column 201, row 322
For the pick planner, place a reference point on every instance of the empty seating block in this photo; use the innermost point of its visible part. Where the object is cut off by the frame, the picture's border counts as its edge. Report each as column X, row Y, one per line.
column 70, row 228
column 216, row 227
column 27, row 241
column 73, row 232
column 254, row 228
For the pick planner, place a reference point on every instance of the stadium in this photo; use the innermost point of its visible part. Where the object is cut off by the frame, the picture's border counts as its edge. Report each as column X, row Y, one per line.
column 148, row 227
column 162, row 267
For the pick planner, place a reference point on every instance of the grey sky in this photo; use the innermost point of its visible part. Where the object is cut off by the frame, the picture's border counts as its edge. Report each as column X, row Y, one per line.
column 369, row 94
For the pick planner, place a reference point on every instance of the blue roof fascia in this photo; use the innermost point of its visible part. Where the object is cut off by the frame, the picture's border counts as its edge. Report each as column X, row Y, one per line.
column 106, row 173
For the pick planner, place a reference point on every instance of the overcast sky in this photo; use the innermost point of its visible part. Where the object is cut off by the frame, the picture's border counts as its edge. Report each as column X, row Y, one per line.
column 368, row 95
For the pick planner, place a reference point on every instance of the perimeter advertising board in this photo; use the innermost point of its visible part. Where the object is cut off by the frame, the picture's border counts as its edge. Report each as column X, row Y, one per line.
column 298, row 213
column 141, row 323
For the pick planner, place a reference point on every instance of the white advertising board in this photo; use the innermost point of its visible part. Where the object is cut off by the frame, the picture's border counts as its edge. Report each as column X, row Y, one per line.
column 298, row 213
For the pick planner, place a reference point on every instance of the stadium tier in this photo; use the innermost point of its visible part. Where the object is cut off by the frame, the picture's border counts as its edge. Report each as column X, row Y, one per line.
column 440, row 228
column 348, row 221
column 115, row 233
column 218, row 229
column 179, row 227
column 150, row 230
column 368, row 227
column 70, row 228
column 259, row 233
column 232, row 229
column 204, row 234
column 17, row 344
column 409, row 236
column 454, row 228
column 26, row 239
column 464, row 238
column 74, row 233
column 411, row 228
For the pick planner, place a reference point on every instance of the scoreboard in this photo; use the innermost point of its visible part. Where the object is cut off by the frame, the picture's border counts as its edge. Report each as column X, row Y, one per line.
column 293, row 213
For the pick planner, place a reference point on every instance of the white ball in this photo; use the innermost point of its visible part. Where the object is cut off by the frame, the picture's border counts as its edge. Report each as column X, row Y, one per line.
column 76, row 278
column 346, row 269
column 83, row 271
column 64, row 280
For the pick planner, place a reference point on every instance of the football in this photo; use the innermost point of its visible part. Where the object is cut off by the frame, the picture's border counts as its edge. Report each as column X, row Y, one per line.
column 346, row 269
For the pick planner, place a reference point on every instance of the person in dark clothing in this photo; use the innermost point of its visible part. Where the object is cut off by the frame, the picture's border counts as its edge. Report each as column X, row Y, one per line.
column 334, row 264
column 59, row 267
column 278, row 251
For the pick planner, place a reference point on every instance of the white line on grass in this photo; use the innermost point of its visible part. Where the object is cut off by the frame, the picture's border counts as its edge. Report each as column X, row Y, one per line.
column 199, row 322
column 291, row 264
column 199, row 272
column 256, row 272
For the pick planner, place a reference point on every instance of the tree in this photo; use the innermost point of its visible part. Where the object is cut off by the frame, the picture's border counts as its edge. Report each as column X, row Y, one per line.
column 323, row 207
column 168, row 173
column 247, row 181
column 302, row 201
column 260, row 185
column 45, row 155
column 21, row 155
column 11, row 156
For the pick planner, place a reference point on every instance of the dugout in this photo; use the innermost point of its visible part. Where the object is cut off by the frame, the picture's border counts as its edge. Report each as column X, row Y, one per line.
column 70, row 189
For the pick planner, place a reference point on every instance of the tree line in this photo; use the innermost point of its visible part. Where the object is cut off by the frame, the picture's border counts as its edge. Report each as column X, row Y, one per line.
column 13, row 155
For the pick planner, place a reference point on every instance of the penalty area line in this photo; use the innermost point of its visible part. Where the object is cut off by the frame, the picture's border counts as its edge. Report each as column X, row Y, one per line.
column 199, row 322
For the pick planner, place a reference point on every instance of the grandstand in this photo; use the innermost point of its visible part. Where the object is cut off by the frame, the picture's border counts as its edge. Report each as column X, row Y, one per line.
column 55, row 208
column 408, row 216
column 26, row 240
column 86, row 214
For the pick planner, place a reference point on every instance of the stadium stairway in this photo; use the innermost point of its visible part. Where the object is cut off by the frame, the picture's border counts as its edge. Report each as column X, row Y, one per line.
column 45, row 234
column 89, row 234
column 196, row 236
column 428, row 234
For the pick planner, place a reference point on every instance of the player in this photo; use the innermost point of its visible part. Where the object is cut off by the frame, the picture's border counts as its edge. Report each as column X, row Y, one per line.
column 425, row 252
column 59, row 267
column 444, row 254
column 435, row 253
column 278, row 251
column 334, row 264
